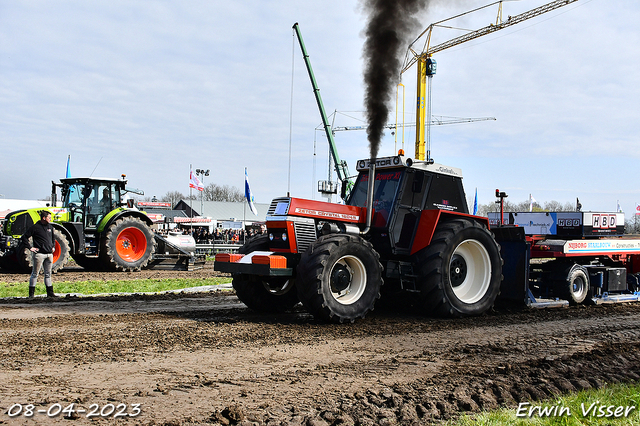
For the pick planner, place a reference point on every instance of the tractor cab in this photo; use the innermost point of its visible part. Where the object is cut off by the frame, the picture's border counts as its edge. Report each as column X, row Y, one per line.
column 89, row 200
column 403, row 189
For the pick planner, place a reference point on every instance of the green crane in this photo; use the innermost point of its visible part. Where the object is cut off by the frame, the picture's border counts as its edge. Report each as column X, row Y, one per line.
column 341, row 166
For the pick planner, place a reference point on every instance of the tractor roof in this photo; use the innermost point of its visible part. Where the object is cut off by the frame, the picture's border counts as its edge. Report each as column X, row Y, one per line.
column 402, row 161
column 92, row 180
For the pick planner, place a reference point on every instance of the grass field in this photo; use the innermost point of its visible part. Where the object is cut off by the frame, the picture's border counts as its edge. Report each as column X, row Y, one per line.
column 614, row 405
column 97, row 287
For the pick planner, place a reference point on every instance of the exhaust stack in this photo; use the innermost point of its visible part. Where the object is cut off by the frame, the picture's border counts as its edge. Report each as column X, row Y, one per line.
column 370, row 188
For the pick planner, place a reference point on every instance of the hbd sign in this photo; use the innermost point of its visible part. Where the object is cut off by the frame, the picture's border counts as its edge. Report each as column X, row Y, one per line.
column 604, row 221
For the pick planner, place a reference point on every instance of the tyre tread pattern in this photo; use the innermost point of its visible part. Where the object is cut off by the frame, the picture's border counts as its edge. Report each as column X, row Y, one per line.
column 111, row 260
column 432, row 263
column 311, row 269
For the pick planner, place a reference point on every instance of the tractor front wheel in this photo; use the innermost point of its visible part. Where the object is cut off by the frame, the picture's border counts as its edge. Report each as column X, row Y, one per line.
column 88, row 263
column 460, row 272
column 128, row 245
column 60, row 251
column 264, row 294
column 339, row 278
column 60, row 254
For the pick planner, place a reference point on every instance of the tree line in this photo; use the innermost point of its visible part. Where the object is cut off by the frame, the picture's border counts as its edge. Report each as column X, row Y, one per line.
column 631, row 225
column 211, row 192
column 523, row 206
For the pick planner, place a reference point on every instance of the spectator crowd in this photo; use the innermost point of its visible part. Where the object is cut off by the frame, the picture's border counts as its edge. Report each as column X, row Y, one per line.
column 219, row 235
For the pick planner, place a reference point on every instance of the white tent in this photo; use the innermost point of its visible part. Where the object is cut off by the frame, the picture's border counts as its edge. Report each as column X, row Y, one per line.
column 9, row 205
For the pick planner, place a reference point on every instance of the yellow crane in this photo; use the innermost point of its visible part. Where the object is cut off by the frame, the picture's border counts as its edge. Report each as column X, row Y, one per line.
column 426, row 66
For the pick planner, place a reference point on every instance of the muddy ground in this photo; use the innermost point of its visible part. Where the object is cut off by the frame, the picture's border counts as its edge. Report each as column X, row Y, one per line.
column 204, row 358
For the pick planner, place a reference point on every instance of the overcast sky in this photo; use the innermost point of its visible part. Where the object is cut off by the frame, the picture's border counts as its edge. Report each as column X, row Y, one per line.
column 146, row 88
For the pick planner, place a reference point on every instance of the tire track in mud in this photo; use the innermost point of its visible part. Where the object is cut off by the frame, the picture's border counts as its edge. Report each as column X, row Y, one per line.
column 232, row 365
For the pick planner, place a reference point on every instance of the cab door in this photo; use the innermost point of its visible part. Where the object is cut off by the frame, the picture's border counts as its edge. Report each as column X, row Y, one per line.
column 412, row 197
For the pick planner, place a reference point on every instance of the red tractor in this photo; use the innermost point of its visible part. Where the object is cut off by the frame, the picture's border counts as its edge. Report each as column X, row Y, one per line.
column 408, row 228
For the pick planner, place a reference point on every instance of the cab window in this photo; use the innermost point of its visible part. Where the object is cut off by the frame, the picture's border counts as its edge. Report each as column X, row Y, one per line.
column 384, row 194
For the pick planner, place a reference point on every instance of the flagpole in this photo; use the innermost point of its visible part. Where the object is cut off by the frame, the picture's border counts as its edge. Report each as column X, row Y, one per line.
column 191, row 199
column 244, row 213
column 475, row 203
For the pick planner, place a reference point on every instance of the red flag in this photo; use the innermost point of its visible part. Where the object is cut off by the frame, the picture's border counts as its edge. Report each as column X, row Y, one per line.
column 194, row 182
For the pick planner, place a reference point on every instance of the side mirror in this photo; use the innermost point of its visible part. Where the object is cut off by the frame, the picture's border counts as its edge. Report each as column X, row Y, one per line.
column 343, row 189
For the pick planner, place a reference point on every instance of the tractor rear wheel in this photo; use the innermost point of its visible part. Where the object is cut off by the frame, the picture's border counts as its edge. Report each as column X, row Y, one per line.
column 60, row 254
column 339, row 278
column 460, row 272
column 128, row 245
column 264, row 294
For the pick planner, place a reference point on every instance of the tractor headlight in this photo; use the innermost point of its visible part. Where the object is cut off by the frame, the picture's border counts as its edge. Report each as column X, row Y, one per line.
column 270, row 237
column 284, row 236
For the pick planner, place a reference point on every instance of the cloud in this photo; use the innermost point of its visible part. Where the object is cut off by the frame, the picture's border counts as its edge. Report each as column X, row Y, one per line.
column 146, row 89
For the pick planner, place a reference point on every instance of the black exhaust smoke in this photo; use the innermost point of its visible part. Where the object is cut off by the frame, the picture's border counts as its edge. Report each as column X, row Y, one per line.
column 388, row 33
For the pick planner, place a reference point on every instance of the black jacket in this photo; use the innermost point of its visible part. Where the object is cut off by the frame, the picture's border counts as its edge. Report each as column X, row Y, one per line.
column 43, row 239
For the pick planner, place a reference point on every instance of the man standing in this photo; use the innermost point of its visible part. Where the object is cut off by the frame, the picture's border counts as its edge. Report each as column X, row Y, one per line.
column 41, row 252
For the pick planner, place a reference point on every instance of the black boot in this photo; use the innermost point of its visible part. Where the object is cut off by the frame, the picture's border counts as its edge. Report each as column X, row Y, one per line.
column 32, row 292
column 50, row 292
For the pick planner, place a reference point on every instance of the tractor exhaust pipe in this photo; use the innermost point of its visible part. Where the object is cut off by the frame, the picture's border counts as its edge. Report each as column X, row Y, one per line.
column 372, row 182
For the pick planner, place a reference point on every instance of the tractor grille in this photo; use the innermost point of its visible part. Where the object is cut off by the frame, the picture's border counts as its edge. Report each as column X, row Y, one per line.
column 279, row 206
column 305, row 234
column 20, row 223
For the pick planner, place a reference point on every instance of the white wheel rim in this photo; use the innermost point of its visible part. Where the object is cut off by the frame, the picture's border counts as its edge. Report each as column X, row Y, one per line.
column 471, row 284
column 578, row 287
column 358, row 283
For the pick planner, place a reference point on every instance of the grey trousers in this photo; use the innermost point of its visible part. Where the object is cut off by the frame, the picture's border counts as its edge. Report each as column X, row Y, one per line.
column 39, row 261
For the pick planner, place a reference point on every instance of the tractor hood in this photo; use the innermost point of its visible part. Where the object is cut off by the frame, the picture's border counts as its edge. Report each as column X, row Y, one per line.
column 315, row 209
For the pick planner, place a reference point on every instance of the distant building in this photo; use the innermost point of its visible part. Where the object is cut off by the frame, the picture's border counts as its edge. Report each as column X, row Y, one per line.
column 9, row 205
column 215, row 214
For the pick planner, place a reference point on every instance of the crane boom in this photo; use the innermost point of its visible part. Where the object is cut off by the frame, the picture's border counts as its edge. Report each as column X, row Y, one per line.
column 426, row 67
column 491, row 28
column 436, row 120
column 341, row 166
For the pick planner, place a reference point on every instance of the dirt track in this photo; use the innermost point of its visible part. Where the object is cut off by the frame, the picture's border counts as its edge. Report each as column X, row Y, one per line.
column 204, row 358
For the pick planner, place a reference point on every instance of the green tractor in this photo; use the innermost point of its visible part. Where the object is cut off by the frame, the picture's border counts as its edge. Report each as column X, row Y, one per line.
column 94, row 225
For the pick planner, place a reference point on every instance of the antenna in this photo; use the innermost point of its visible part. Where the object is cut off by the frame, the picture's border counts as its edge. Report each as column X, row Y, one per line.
column 94, row 169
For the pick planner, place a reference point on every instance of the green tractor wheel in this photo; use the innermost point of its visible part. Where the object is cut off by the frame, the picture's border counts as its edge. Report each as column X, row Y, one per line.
column 128, row 245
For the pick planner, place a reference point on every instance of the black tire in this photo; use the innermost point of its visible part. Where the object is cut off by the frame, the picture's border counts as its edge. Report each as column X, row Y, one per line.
column 339, row 278
column 633, row 282
column 89, row 263
column 8, row 262
column 257, row 243
column 11, row 261
column 23, row 256
column 460, row 272
column 128, row 245
column 60, row 254
column 264, row 294
column 575, row 285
